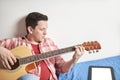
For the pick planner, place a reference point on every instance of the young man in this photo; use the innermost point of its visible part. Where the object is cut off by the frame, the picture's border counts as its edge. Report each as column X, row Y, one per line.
column 38, row 43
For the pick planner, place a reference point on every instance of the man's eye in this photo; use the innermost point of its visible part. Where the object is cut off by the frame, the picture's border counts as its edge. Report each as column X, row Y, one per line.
column 42, row 29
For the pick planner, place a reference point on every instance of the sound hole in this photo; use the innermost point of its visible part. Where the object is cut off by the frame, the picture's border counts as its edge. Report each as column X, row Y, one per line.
column 16, row 65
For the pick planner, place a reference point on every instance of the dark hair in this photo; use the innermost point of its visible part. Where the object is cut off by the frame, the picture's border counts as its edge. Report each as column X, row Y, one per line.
column 33, row 18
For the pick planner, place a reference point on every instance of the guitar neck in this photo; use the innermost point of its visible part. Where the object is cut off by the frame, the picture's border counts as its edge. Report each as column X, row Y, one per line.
column 42, row 56
column 93, row 45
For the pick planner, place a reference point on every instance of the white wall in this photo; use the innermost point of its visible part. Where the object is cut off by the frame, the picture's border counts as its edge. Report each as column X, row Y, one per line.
column 71, row 22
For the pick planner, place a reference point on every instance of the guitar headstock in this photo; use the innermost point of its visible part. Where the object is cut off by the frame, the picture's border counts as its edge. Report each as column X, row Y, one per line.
column 92, row 46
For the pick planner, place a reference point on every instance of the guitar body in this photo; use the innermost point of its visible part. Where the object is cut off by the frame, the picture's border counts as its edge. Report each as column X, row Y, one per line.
column 21, row 51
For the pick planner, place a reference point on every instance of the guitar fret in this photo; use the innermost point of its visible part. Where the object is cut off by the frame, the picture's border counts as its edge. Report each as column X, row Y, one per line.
column 28, row 59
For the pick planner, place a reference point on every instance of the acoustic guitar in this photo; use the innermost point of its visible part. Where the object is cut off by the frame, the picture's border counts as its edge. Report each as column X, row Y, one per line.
column 26, row 61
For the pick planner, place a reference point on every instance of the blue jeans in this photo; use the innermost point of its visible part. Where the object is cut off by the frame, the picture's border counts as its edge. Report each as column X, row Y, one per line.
column 29, row 77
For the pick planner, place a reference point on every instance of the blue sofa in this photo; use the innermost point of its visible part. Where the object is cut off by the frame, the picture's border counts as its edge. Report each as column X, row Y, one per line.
column 80, row 70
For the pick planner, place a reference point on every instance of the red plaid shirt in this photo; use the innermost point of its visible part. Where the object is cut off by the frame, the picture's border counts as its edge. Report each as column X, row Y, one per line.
column 54, row 64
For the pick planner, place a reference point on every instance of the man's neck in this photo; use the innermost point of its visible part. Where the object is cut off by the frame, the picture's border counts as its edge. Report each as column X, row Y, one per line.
column 31, row 40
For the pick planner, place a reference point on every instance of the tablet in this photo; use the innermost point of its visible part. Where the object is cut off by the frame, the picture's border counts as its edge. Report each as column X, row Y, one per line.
column 101, row 73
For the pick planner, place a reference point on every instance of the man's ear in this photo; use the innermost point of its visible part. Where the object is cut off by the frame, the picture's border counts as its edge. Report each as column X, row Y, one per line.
column 30, row 29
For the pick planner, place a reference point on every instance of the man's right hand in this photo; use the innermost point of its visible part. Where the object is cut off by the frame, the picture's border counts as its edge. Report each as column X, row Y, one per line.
column 7, row 58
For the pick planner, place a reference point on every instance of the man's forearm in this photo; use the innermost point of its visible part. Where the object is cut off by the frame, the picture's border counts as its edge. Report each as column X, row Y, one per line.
column 68, row 65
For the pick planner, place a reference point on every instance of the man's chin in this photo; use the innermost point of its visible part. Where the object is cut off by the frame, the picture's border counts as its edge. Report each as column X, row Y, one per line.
column 41, row 41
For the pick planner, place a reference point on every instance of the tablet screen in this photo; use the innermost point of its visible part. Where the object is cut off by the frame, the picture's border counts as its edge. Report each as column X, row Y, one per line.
column 101, row 73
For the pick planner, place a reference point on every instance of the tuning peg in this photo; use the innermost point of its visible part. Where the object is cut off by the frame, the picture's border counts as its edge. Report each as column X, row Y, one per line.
column 93, row 51
column 90, row 52
column 97, row 50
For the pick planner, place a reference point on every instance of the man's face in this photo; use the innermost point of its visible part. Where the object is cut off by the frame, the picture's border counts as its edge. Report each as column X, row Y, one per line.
column 40, row 31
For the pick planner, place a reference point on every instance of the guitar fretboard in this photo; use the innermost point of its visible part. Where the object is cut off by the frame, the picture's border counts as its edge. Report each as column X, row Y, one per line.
column 42, row 56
